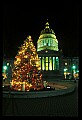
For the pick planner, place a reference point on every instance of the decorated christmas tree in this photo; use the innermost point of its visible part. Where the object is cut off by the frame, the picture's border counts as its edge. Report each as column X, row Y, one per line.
column 26, row 73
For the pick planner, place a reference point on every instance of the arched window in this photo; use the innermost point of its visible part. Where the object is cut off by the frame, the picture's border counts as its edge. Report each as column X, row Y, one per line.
column 44, row 42
column 48, row 42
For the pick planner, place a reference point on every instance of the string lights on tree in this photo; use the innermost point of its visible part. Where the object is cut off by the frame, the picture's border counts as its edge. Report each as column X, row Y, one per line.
column 26, row 73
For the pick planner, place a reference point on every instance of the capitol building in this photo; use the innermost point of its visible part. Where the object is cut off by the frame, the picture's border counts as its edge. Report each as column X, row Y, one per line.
column 49, row 54
column 53, row 64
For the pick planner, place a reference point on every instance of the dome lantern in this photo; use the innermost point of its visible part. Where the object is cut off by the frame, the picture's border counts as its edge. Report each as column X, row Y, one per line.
column 47, row 24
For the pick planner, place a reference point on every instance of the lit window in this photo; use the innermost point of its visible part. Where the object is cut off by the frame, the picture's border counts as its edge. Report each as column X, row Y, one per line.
column 50, row 63
column 44, row 42
column 49, row 42
column 53, row 63
column 42, row 63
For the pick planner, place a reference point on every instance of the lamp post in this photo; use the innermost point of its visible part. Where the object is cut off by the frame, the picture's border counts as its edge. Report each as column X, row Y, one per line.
column 73, row 71
column 65, row 69
column 77, row 74
column 4, row 72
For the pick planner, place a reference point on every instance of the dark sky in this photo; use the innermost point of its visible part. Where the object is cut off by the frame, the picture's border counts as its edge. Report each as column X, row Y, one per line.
column 23, row 19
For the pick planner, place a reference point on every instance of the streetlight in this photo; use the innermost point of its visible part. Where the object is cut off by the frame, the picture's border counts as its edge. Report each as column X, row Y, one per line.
column 65, row 69
column 5, row 67
column 73, row 67
column 4, row 72
column 73, row 70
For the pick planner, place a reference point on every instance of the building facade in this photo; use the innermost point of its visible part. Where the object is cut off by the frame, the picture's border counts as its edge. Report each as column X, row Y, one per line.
column 49, row 54
column 71, row 67
column 53, row 64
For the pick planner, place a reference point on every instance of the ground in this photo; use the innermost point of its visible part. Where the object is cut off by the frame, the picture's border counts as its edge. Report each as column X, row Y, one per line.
column 65, row 105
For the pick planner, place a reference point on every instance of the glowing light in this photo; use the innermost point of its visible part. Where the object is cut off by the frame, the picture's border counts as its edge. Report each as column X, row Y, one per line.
column 65, row 69
column 73, row 67
column 77, row 71
column 46, row 51
column 4, row 76
column 29, row 37
column 7, row 64
column 65, row 63
column 25, row 56
column 18, row 59
column 5, row 67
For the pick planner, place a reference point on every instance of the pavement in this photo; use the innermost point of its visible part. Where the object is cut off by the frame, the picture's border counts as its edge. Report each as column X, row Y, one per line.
column 65, row 105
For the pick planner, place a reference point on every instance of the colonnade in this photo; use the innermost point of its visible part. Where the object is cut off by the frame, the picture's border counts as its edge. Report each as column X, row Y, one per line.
column 49, row 63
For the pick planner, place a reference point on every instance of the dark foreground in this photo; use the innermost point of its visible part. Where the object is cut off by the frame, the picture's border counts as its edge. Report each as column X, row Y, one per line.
column 66, row 105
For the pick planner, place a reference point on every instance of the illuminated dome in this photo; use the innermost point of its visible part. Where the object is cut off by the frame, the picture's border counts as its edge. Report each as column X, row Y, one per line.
column 47, row 39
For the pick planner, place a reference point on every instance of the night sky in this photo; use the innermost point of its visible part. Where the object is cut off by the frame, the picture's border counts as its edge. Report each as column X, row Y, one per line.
column 23, row 19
